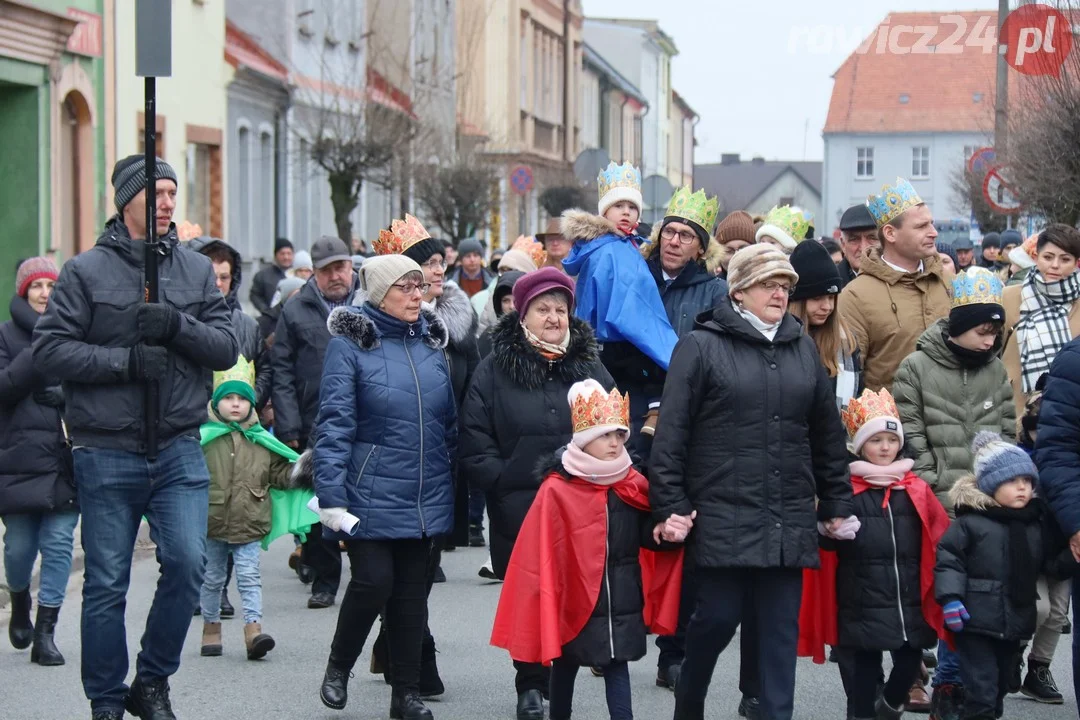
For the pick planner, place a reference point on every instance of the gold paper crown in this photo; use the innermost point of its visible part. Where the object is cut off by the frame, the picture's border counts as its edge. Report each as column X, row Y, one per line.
column 535, row 250
column 695, row 207
column 894, row 201
column 599, row 409
column 870, row 405
column 614, row 176
column 401, row 236
column 243, row 371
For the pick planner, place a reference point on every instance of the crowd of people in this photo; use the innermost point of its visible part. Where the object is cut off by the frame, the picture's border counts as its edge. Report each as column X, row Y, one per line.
column 845, row 449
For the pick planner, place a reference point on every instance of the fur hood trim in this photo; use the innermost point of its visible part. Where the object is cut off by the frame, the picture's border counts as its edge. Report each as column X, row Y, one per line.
column 303, row 472
column 455, row 310
column 581, row 226
column 712, row 258
column 965, row 493
column 519, row 360
column 355, row 325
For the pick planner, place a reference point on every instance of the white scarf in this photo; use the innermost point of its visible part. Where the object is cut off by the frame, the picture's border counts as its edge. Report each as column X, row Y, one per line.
column 1043, row 328
column 766, row 329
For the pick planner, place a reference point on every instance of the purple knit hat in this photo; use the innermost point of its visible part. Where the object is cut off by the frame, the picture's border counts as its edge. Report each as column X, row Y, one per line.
column 538, row 282
column 33, row 269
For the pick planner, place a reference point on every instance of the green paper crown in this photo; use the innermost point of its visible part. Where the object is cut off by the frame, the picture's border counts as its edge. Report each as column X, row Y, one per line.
column 791, row 220
column 695, row 207
column 239, row 379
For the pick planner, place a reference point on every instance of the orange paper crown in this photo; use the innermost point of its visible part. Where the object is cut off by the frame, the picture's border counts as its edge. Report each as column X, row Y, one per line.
column 870, row 405
column 535, row 250
column 600, row 410
column 401, row 236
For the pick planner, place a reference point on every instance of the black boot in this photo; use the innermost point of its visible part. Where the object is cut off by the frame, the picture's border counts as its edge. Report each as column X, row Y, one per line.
column 750, row 708
column 688, row 709
column 1039, row 684
column 227, row 609
column 20, row 630
column 408, row 706
column 668, row 677
column 149, row 699
column 431, row 684
column 334, row 692
column 530, row 705
column 44, row 651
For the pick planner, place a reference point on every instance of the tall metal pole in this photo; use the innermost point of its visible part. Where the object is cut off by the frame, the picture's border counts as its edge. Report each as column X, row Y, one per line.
column 151, row 397
column 1001, row 100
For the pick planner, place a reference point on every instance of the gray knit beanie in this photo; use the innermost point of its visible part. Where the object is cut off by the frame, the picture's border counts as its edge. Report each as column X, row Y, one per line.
column 377, row 274
column 129, row 177
column 997, row 462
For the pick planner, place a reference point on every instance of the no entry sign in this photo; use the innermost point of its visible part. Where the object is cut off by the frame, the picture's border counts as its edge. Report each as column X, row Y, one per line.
column 998, row 192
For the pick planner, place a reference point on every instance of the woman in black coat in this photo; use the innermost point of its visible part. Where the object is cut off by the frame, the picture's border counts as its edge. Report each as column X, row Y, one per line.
column 37, row 493
column 516, row 415
column 750, row 439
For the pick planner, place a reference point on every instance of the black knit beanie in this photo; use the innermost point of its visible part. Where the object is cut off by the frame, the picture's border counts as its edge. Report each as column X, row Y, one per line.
column 818, row 274
column 281, row 244
column 423, row 251
column 964, row 317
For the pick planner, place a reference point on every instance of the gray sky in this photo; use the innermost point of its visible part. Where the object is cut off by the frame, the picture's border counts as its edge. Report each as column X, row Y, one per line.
column 748, row 69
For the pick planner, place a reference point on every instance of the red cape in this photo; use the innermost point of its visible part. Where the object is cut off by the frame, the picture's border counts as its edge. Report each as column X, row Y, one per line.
column 817, row 615
column 553, row 581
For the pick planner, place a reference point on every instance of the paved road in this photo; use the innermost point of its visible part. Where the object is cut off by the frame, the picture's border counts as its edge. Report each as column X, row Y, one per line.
column 479, row 678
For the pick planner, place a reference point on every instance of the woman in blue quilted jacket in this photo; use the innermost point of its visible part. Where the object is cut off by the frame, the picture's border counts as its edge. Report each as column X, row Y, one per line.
column 386, row 437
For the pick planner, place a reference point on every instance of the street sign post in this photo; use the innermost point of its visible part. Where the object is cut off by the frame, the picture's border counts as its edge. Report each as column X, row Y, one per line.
column 153, row 59
column 981, row 160
column 521, row 179
column 998, row 192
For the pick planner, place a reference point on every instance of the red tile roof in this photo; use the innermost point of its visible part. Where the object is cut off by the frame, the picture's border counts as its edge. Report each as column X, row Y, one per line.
column 240, row 49
column 940, row 87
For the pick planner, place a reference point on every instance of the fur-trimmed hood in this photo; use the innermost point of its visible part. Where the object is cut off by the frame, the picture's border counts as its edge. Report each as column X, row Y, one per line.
column 366, row 329
column 518, row 359
column 581, row 226
column 713, row 256
column 456, row 312
column 965, row 494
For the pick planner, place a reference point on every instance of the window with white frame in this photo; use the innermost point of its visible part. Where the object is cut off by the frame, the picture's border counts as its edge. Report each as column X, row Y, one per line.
column 864, row 162
column 920, row 162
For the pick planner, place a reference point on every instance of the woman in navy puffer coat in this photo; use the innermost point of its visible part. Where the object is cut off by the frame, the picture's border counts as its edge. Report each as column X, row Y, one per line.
column 386, row 437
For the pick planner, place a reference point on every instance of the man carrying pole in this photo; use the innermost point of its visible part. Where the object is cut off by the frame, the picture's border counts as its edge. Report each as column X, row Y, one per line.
column 136, row 376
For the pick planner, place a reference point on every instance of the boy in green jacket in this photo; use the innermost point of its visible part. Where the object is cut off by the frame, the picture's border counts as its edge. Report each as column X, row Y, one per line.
column 245, row 462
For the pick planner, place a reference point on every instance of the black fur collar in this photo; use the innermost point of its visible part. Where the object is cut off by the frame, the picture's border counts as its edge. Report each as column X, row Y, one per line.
column 520, row 361
column 357, row 326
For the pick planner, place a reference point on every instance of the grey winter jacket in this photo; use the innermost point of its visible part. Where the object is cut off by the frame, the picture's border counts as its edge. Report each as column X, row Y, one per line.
column 264, row 285
column 85, row 336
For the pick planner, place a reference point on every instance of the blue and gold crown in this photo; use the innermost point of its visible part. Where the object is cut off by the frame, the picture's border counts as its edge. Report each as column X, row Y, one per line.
column 977, row 286
column 617, row 176
column 893, row 202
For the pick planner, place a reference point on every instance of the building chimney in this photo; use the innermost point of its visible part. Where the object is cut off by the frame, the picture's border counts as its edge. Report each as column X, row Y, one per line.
column 729, row 159
column 758, row 160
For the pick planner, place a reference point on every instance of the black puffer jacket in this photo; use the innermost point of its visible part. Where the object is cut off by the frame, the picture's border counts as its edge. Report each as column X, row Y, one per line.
column 86, row 334
column 750, row 439
column 297, row 359
column 878, row 585
column 515, row 414
column 973, row 563
column 34, row 475
column 248, row 334
column 616, row 629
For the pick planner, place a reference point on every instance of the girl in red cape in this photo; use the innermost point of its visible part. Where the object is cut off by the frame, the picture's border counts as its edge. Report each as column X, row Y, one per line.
column 572, row 595
column 875, row 590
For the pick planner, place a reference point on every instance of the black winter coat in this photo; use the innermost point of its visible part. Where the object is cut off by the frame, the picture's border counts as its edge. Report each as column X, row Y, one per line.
column 249, row 335
column 973, row 564
column 86, row 335
column 264, row 285
column 750, row 439
column 615, row 632
column 846, row 273
column 35, row 475
column 297, row 359
column 878, row 585
column 693, row 292
column 515, row 415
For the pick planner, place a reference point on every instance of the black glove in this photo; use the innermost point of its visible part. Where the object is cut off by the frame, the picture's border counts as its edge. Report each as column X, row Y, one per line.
column 50, row 396
column 148, row 362
column 157, row 322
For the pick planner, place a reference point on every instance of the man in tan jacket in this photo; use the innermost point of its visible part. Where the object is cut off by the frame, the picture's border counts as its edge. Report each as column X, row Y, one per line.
column 901, row 289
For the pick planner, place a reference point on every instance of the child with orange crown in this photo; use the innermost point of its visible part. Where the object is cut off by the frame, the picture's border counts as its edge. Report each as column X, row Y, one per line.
column 884, row 568
column 573, row 593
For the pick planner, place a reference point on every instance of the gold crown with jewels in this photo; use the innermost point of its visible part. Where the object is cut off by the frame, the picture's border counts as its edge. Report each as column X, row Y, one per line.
column 401, row 236
column 600, row 409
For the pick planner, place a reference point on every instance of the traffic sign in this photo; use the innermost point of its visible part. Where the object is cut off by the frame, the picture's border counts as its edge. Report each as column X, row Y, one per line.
column 981, row 160
column 521, row 179
column 998, row 191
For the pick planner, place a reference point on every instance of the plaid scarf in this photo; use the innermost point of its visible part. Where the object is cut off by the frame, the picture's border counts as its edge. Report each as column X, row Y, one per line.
column 1043, row 328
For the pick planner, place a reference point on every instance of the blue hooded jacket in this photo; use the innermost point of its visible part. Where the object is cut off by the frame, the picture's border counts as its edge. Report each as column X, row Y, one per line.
column 387, row 429
column 615, row 292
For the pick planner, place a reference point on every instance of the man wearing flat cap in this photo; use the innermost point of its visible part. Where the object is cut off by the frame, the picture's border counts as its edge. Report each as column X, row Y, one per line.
column 858, row 233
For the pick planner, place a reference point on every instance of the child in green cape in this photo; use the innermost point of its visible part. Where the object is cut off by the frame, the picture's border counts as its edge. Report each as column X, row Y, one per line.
column 251, row 503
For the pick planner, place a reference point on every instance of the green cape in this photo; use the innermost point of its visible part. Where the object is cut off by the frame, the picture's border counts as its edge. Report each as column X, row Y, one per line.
column 289, row 513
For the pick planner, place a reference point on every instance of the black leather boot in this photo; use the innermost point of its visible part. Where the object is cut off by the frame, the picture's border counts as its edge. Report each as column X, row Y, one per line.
column 530, row 705
column 20, row 630
column 334, row 692
column 149, row 699
column 44, row 651
column 408, row 706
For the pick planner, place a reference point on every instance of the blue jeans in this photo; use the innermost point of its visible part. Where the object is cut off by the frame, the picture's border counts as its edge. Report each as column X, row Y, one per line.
column 616, row 687
column 948, row 666
column 53, row 535
column 248, row 580
column 116, row 489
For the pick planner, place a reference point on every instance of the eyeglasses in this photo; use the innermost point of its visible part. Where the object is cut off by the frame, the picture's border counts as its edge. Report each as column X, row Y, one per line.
column 685, row 236
column 771, row 286
column 434, row 264
column 410, row 288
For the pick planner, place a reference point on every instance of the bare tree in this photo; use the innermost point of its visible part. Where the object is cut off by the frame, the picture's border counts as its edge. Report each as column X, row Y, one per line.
column 457, row 197
column 969, row 187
